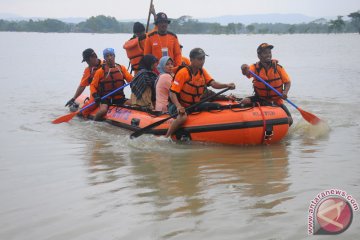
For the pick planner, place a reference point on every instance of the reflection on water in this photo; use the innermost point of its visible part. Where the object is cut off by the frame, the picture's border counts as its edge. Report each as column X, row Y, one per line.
column 103, row 163
column 175, row 183
column 178, row 185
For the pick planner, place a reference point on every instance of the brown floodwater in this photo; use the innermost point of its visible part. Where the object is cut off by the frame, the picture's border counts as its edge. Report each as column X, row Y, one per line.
column 88, row 180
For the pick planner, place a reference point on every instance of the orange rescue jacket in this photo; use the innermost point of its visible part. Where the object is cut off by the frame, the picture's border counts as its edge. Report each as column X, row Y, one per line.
column 89, row 73
column 113, row 79
column 185, row 61
column 271, row 76
column 192, row 90
column 134, row 51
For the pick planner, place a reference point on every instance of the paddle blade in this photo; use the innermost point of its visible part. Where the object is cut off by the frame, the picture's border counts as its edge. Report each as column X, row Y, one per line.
column 65, row 118
column 147, row 128
column 311, row 118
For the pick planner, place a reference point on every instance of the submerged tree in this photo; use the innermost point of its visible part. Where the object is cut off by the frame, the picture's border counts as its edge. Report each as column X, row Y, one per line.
column 100, row 24
column 250, row 28
column 337, row 25
column 186, row 25
column 234, row 28
column 355, row 20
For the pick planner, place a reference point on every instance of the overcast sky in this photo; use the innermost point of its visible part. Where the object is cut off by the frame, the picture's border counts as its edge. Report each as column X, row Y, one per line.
column 134, row 9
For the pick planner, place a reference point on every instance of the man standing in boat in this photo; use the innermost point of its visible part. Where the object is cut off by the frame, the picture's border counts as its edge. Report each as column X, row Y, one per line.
column 134, row 47
column 272, row 72
column 188, row 86
column 108, row 78
column 90, row 57
column 162, row 42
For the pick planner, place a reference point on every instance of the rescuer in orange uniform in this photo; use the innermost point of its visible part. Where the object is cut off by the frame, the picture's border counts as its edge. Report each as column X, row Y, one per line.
column 134, row 47
column 108, row 78
column 188, row 86
column 162, row 42
column 272, row 72
column 90, row 57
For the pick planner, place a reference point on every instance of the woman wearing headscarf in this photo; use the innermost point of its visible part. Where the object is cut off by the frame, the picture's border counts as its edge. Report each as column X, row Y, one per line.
column 163, row 83
column 143, row 84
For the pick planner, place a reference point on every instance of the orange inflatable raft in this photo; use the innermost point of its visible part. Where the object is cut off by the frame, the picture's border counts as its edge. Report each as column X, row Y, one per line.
column 225, row 122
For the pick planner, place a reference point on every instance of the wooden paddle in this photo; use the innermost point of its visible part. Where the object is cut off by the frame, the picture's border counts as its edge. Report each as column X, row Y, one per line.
column 155, row 124
column 311, row 118
column 70, row 116
column 148, row 20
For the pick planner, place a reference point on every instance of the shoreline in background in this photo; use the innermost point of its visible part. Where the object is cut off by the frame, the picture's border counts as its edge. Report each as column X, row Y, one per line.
column 185, row 25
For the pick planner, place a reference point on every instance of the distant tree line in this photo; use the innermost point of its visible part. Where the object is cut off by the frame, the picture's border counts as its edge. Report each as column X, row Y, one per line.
column 186, row 25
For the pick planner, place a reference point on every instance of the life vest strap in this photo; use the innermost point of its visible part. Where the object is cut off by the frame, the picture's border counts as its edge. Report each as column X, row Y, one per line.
column 198, row 88
column 268, row 129
column 109, row 83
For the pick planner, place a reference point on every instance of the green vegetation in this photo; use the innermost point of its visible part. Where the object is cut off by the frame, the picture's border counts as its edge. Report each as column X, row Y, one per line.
column 355, row 20
column 187, row 25
column 337, row 25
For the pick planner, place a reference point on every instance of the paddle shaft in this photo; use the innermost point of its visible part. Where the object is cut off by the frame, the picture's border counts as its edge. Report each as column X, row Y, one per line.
column 143, row 130
column 70, row 116
column 311, row 118
column 102, row 98
column 276, row 91
column 148, row 20
column 202, row 101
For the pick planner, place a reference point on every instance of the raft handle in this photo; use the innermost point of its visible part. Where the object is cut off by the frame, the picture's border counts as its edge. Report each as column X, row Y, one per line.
column 268, row 133
column 135, row 122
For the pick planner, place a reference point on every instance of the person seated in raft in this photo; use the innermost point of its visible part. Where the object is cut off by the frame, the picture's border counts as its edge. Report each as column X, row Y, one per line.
column 272, row 72
column 90, row 57
column 106, row 79
column 188, row 85
column 163, row 83
column 143, row 85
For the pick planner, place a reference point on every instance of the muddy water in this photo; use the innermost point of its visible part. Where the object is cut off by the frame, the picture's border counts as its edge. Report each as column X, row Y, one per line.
column 86, row 180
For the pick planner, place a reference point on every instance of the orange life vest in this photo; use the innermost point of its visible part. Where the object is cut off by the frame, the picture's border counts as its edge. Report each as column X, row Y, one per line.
column 272, row 77
column 134, row 52
column 113, row 79
column 185, row 61
column 192, row 90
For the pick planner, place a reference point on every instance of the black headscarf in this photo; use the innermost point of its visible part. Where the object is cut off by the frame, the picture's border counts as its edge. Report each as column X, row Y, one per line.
column 147, row 62
column 145, row 77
